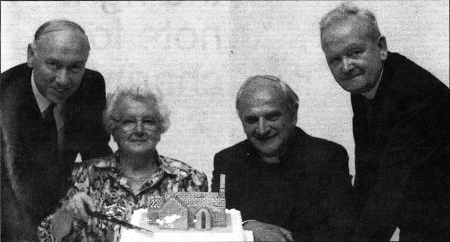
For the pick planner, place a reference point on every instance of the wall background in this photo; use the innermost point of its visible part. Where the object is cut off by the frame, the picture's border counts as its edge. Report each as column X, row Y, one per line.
column 198, row 54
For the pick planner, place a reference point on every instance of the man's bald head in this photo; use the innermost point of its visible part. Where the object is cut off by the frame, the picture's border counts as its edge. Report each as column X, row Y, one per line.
column 51, row 27
column 252, row 82
column 58, row 56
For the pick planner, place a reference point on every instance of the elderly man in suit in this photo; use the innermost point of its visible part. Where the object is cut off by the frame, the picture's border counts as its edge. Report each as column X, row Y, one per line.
column 51, row 111
column 401, row 127
column 287, row 184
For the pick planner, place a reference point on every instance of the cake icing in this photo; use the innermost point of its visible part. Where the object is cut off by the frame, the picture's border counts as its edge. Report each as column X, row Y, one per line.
column 187, row 216
column 231, row 232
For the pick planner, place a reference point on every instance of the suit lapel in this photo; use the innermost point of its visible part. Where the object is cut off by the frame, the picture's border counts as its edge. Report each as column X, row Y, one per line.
column 31, row 116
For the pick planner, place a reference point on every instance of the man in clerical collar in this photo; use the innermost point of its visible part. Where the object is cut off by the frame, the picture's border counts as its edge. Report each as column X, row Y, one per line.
column 288, row 185
column 401, row 127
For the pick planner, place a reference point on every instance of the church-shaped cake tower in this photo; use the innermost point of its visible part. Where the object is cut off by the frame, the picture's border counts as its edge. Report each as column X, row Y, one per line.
column 183, row 210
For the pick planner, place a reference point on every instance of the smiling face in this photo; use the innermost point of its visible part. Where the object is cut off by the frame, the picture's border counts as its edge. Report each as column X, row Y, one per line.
column 138, row 129
column 58, row 60
column 264, row 114
column 355, row 60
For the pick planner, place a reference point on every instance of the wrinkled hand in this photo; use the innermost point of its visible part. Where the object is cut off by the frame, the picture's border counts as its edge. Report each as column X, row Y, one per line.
column 75, row 208
column 268, row 232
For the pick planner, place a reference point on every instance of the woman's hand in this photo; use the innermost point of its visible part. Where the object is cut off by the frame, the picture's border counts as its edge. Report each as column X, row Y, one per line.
column 75, row 208
column 77, row 205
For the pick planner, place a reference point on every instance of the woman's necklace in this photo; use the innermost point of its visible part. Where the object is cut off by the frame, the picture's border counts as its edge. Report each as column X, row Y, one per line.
column 139, row 179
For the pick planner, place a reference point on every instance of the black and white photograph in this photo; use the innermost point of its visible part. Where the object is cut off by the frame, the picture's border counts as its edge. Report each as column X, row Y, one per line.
column 225, row 121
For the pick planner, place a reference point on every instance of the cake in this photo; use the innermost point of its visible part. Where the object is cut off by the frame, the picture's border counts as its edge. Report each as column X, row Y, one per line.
column 187, row 216
column 231, row 232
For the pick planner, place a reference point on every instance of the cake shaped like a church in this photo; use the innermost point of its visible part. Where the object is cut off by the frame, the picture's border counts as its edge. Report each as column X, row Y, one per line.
column 183, row 210
column 187, row 216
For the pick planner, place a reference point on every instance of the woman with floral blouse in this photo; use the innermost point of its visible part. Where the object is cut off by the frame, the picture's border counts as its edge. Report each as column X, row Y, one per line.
column 120, row 184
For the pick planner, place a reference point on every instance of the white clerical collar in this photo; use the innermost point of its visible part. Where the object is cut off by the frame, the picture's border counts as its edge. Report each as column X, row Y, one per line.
column 371, row 94
column 42, row 102
column 271, row 160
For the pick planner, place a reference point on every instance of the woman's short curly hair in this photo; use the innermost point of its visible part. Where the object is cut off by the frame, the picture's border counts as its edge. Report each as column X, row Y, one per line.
column 111, row 115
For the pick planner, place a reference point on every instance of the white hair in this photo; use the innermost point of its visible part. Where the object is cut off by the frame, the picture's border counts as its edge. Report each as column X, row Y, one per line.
column 138, row 93
column 347, row 10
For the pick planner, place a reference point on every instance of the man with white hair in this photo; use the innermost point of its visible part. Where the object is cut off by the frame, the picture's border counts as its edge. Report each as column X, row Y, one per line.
column 288, row 185
column 401, row 127
column 51, row 111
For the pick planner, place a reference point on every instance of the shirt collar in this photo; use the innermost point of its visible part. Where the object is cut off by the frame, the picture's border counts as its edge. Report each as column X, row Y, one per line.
column 371, row 94
column 296, row 135
column 42, row 102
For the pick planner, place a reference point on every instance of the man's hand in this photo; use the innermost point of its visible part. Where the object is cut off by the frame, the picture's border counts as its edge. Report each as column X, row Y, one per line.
column 268, row 232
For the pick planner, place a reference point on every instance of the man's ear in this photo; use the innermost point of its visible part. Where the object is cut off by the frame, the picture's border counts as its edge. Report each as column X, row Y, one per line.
column 383, row 47
column 31, row 56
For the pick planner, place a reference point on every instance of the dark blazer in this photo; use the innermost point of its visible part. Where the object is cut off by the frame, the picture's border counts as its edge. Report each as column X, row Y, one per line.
column 308, row 192
column 402, row 155
column 34, row 174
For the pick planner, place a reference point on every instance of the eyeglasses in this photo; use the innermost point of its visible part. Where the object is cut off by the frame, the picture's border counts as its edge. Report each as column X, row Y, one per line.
column 148, row 124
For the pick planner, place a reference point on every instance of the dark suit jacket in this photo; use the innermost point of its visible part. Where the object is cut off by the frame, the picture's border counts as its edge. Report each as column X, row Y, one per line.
column 308, row 192
column 402, row 155
column 34, row 174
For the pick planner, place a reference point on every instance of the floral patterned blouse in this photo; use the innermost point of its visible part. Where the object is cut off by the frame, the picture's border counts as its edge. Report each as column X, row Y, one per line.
column 102, row 180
